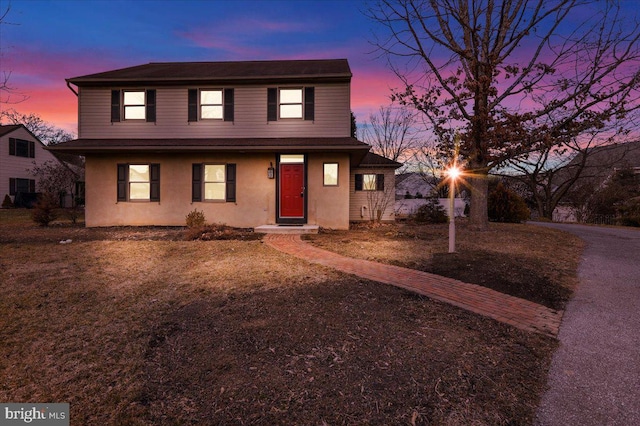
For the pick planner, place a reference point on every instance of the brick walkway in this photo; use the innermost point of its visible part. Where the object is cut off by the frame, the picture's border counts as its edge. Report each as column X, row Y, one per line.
column 511, row 310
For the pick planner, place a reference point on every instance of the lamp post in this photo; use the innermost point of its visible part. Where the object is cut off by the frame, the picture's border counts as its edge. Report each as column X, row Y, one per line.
column 453, row 173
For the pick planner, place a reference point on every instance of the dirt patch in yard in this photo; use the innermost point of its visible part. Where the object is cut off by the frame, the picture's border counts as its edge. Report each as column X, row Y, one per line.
column 346, row 352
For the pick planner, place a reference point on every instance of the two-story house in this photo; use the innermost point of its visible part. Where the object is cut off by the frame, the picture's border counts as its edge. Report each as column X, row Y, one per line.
column 20, row 152
column 247, row 143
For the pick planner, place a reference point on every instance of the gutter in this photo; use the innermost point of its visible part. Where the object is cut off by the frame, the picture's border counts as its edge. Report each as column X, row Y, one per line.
column 71, row 88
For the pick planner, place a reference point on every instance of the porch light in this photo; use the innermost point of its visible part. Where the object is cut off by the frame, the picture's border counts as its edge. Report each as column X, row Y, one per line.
column 271, row 172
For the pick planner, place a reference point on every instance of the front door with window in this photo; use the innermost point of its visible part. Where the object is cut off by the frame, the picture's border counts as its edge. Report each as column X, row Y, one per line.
column 292, row 190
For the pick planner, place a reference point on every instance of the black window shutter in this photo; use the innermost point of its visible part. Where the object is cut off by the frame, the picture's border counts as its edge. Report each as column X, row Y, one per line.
column 380, row 182
column 155, row 182
column 12, row 186
column 309, row 101
column 272, row 104
column 115, row 105
column 32, row 149
column 196, row 183
column 122, row 182
column 359, row 182
column 32, row 185
column 228, row 104
column 193, row 105
column 12, row 146
column 151, row 106
column 231, row 182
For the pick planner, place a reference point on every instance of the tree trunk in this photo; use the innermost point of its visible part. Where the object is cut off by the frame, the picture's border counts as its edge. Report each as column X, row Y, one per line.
column 479, row 213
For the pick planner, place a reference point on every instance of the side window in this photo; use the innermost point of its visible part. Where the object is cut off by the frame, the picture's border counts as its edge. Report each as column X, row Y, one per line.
column 22, row 148
column 369, row 182
column 138, row 182
column 21, row 185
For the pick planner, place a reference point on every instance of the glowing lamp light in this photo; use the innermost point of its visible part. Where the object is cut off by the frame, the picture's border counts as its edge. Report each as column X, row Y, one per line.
column 454, row 172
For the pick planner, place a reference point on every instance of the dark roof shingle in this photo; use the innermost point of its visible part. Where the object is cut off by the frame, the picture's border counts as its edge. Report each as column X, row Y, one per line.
column 243, row 71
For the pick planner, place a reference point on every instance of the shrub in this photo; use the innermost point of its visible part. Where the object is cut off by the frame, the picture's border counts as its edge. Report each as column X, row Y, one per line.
column 506, row 206
column 45, row 210
column 74, row 213
column 432, row 212
column 195, row 219
column 7, row 203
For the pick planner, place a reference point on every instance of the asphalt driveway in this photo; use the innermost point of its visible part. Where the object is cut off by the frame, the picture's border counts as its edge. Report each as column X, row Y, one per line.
column 595, row 373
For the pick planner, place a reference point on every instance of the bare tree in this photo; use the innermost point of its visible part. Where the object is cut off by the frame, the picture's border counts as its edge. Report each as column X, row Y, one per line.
column 392, row 133
column 6, row 91
column 514, row 77
column 552, row 174
column 47, row 133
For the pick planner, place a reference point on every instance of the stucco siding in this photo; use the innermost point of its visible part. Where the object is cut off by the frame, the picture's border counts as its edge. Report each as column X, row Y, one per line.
column 332, row 116
column 255, row 194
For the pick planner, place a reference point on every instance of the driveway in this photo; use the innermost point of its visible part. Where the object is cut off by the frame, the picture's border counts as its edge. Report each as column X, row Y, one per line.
column 595, row 373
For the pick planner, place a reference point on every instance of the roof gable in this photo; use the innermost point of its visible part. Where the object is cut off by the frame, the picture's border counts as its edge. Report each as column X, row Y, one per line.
column 6, row 129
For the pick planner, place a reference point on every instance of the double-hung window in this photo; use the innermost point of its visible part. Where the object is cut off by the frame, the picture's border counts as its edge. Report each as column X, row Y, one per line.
column 210, row 104
column 369, row 182
column 138, row 182
column 133, row 104
column 213, row 182
column 22, row 148
column 290, row 103
column 21, row 185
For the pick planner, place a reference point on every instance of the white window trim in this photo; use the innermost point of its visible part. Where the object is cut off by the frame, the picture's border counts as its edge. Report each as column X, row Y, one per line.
column 201, row 104
column 125, row 106
column 205, row 182
column 285, row 104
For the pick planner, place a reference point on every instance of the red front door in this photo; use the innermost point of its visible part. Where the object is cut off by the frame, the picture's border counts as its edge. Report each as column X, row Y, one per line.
column 292, row 190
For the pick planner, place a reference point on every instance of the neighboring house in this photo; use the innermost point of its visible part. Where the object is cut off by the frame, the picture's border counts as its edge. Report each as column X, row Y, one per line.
column 599, row 167
column 246, row 143
column 20, row 152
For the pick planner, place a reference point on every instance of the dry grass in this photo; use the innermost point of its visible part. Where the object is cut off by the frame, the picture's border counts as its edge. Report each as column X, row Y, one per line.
column 138, row 326
column 527, row 261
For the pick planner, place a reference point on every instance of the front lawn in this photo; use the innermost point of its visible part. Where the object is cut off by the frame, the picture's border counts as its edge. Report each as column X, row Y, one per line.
column 138, row 326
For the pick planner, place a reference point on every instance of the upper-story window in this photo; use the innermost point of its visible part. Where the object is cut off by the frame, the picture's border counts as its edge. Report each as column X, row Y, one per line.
column 290, row 103
column 210, row 104
column 133, row 104
column 22, row 148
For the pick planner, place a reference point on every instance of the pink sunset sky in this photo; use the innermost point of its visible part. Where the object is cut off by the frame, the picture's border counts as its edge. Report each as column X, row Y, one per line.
column 44, row 42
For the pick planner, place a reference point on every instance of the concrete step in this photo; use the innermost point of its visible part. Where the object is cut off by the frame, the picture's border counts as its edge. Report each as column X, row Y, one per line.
column 287, row 229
